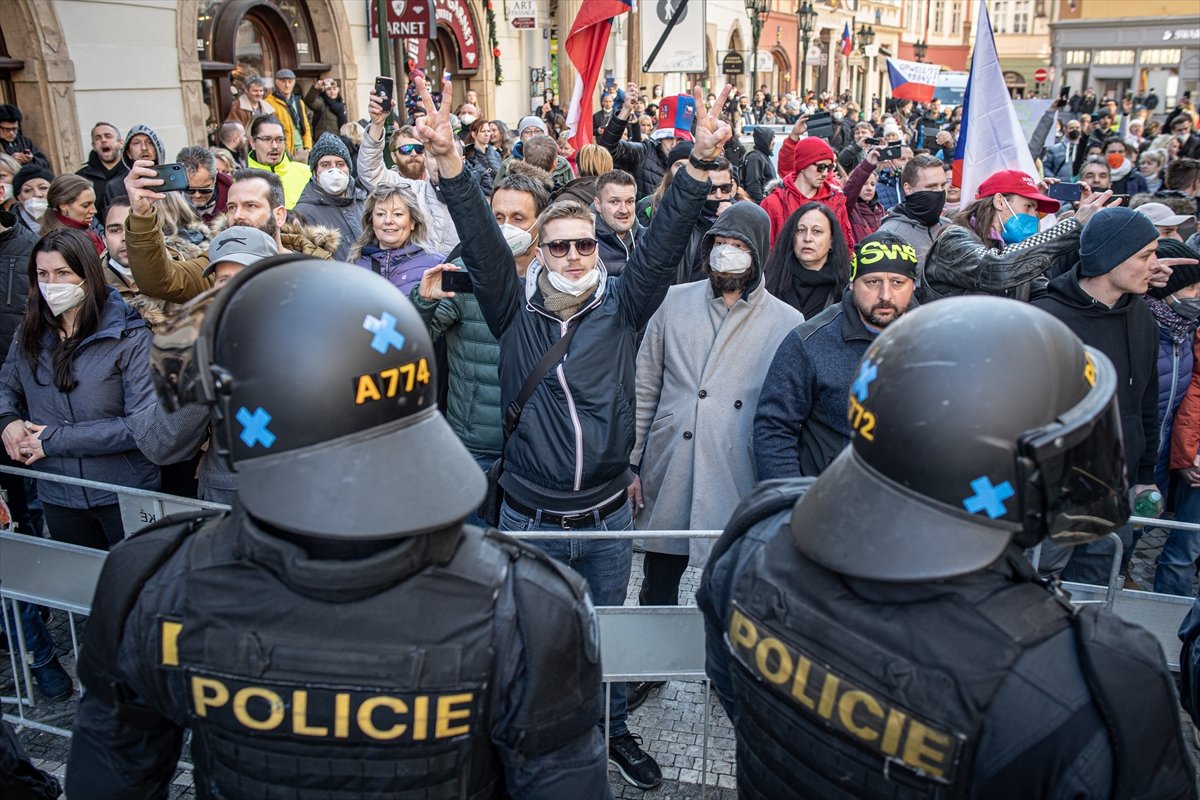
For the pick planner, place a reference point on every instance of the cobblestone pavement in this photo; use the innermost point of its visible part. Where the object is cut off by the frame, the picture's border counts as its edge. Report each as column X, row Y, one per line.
column 670, row 722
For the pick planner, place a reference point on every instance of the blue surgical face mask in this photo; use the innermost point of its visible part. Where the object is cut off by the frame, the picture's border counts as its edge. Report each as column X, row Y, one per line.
column 1018, row 227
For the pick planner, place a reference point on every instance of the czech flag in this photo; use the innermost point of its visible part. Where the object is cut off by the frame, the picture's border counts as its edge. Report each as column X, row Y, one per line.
column 912, row 80
column 847, row 44
column 991, row 139
column 585, row 47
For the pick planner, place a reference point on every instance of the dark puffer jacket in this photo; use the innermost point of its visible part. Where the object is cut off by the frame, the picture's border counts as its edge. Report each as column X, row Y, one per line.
column 758, row 169
column 88, row 432
column 342, row 214
column 16, row 243
column 644, row 159
column 613, row 250
column 1175, row 362
column 571, row 448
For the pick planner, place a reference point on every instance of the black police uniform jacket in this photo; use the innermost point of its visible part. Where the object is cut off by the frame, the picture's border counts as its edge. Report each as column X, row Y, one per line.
column 984, row 686
column 571, row 448
column 457, row 664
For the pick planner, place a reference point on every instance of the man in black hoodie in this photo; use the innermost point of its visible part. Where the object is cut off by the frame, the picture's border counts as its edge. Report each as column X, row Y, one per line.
column 1100, row 301
column 104, row 162
column 758, row 169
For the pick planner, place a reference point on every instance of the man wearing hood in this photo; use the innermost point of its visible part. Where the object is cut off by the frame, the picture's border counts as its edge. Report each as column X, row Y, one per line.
column 722, row 195
column 141, row 144
column 566, row 462
column 712, row 340
column 1100, row 300
column 648, row 160
column 104, row 162
column 268, row 151
column 801, row 424
column 332, row 199
column 811, row 178
column 758, row 169
column 617, row 228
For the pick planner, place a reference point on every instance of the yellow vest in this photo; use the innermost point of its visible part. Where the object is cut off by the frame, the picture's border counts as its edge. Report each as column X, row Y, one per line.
column 295, row 176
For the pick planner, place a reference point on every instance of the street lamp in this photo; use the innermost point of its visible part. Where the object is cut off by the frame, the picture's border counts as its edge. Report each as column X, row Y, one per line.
column 920, row 48
column 866, row 37
column 758, row 10
column 807, row 17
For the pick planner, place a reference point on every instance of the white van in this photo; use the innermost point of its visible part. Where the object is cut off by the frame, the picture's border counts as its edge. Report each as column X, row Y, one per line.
column 950, row 87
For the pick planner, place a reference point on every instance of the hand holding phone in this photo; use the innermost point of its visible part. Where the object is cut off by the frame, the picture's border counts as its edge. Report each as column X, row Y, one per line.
column 1065, row 193
column 173, row 176
column 385, row 87
column 891, row 152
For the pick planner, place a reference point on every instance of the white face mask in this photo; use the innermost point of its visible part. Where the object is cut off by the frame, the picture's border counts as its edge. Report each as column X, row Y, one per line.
column 729, row 259
column 518, row 239
column 36, row 206
column 564, row 284
column 467, row 119
column 334, row 180
column 6, row 192
column 61, row 296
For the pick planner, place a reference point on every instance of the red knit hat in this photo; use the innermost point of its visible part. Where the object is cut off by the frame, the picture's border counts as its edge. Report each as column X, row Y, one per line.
column 811, row 150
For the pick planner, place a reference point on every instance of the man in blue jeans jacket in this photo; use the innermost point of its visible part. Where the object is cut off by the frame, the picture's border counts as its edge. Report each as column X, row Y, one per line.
column 567, row 461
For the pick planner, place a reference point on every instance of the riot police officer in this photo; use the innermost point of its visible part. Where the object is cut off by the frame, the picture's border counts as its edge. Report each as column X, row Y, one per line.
column 885, row 635
column 340, row 633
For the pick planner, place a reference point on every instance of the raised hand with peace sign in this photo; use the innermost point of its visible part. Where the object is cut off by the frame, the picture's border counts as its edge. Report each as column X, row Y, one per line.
column 435, row 131
column 711, row 132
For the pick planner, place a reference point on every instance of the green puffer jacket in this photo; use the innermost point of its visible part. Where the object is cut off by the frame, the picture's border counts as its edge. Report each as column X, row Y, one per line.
column 474, row 355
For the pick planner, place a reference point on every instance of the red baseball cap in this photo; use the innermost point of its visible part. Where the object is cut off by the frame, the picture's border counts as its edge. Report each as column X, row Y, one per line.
column 1013, row 181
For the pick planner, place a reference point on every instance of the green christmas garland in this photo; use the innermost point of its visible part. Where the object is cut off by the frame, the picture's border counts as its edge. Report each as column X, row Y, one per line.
column 494, row 42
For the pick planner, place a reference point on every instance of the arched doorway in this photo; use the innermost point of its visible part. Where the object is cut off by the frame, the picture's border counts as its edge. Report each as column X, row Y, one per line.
column 780, row 79
column 37, row 74
column 740, row 82
column 457, row 49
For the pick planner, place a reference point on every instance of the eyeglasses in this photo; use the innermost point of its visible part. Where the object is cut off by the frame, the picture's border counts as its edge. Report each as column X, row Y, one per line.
column 823, row 168
column 560, row 247
column 723, row 188
column 410, row 149
column 9, row 128
column 204, row 192
column 269, row 139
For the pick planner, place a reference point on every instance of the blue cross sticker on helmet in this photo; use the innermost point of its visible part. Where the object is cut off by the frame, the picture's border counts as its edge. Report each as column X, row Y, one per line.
column 987, row 498
column 254, row 427
column 866, row 374
column 384, row 328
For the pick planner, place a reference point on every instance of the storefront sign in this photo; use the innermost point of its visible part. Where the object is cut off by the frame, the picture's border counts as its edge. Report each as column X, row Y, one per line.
column 522, row 14
column 733, row 64
column 406, row 19
column 455, row 15
column 1181, row 34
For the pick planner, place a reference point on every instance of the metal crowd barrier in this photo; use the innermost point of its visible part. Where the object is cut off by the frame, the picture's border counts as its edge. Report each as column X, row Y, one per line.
column 63, row 576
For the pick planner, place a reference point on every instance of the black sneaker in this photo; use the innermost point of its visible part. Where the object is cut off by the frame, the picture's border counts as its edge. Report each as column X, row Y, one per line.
column 636, row 693
column 636, row 766
column 52, row 681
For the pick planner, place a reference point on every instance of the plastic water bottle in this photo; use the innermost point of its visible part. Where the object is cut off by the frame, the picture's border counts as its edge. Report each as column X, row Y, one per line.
column 1148, row 503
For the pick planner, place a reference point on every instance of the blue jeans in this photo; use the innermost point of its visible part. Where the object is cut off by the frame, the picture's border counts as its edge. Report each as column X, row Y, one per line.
column 485, row 463
column 38, row 642
column 604, row 563
column 1177, row 561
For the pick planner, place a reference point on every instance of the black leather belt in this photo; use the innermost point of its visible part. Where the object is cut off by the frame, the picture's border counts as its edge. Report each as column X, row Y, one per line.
column 569, row 522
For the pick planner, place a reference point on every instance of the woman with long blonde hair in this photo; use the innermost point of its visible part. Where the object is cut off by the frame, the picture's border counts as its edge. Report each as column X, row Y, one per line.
column 393, row 241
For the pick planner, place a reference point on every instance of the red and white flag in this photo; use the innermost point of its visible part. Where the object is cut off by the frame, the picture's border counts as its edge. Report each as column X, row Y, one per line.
column 585, row 46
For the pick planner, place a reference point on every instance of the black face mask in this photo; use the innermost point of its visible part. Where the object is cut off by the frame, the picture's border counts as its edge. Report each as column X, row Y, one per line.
column 711, row 206
column 1072, row 135
column 925, row 207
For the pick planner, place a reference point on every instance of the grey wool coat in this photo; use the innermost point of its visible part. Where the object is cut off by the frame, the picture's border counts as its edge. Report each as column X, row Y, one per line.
column 699, row 373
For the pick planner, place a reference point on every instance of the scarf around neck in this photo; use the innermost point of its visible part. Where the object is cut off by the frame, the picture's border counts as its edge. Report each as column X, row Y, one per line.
column 97, row 242
column 1180, row 328
column 563, row 305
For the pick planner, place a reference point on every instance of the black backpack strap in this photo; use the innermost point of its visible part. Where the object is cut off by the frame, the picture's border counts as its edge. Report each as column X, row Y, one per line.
column 512, row 414
column 1150, row 758
column 126, row 570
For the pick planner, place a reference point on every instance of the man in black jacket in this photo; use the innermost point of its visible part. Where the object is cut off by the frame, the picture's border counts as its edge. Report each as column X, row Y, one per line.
column 15, row 143
column 566, row 463
column 758, row 169
column 1100, row 301
column 648, row 160
column 104, row 162
column 617, row 228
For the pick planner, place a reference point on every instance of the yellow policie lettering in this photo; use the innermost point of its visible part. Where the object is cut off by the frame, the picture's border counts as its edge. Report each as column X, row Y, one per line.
column 1089, row 370
column 324, row 713
column 170, row 643
column 861, row 419
column 838, row 703
column 391, row 381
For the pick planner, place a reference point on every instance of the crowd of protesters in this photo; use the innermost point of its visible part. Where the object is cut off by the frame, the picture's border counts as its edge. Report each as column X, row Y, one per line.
column 720, row 295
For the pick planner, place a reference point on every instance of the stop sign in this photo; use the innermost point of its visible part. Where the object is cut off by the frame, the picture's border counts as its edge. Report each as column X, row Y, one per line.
column 1040, row 75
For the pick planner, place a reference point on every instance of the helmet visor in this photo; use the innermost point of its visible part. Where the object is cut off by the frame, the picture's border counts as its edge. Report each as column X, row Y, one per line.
column 1074, row 469
column 174, row 362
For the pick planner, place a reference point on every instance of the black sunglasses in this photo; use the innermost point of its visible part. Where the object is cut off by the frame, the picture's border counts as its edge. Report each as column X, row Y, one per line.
column 823, row 168
column 205, row 192
column 724, row 188
column 411, row 149
column 560, row 247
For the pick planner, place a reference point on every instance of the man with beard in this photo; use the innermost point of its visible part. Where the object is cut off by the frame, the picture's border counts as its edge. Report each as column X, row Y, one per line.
column 256, row 200
column 801, row 422
column 140, row 143
column 269, row 153
column 233, row 139
column 208, row 190
column 104, row 162
column 410, row 171
column 712, row 340
column 617, row 228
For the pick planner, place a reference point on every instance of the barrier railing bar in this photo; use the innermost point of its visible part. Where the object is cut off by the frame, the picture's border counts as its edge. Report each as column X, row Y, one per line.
column 132, row 491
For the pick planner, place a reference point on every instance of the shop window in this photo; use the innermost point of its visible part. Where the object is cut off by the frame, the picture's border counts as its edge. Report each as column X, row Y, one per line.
column 8, row 65
column 297, row 17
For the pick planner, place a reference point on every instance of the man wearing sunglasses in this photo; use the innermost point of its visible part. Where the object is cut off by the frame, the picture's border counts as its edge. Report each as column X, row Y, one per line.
column 566, row 462
column 269, row 151
column 721, row 195
column 411, row 171
column 811, row 177
column 208, row 189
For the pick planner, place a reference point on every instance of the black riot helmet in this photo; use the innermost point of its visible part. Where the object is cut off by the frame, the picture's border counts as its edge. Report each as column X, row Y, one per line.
column 976, row 421
column 321, row 377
